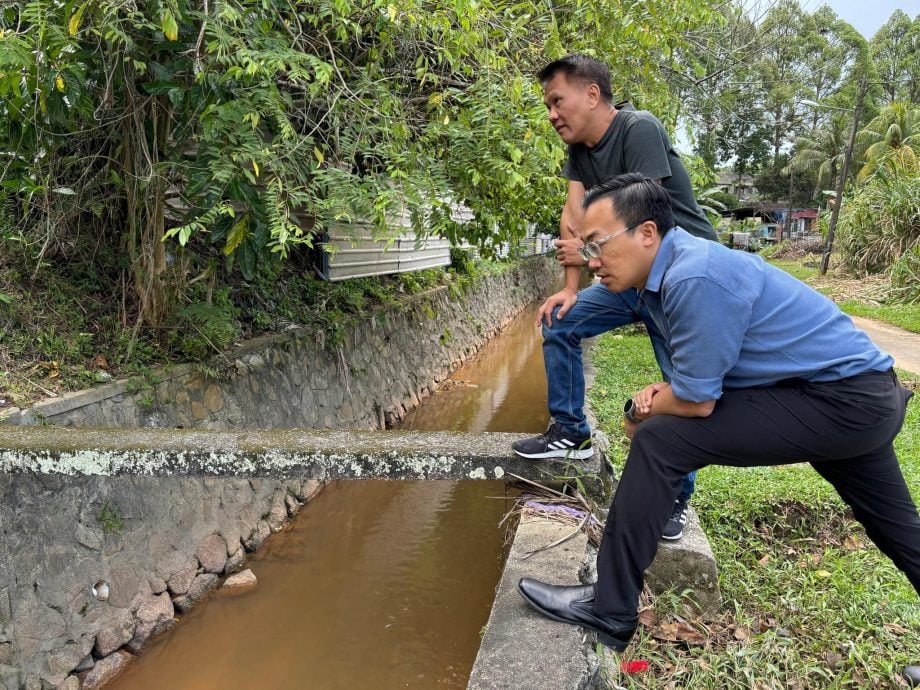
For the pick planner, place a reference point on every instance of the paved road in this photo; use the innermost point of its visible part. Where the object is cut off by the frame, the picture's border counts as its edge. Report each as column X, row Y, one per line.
column 903, row 345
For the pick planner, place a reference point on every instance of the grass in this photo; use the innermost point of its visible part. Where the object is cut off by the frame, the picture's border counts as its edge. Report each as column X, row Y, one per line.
column 803, row 269
column 906, row 316
column 856, row 296
column 809, row 602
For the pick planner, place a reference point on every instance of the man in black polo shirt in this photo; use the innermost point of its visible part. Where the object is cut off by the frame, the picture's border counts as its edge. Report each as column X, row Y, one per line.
column 603, row 140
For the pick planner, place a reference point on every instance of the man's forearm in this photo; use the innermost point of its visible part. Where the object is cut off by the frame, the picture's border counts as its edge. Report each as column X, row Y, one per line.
column 665, row 402
column 572, row 277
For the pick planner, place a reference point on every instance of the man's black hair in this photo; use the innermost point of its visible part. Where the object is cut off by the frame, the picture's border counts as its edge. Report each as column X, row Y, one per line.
column 583, row 69
column 635, row 199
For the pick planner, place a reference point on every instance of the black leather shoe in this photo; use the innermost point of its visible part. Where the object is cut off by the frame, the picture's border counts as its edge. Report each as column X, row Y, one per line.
column 573, row 605
column 912, row 676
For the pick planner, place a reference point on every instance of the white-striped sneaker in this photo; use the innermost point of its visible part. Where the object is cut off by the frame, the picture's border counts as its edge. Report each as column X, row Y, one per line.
column 674, row 529
column 555, row 442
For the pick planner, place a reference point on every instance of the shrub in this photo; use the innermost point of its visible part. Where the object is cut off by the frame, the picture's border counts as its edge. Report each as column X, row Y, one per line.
column 880, row 223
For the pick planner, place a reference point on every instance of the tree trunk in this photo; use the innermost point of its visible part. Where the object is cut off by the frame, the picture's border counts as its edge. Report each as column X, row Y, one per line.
column 145, row 197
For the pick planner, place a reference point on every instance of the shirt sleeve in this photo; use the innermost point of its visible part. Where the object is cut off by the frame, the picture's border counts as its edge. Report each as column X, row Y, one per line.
column 644, row 151
column 570, row 169
column 707, row 325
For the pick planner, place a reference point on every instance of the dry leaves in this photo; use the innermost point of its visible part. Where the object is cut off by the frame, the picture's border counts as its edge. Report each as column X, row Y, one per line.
column 895, row 629
column 648, row 618
column 52, row 369
column 678, row 631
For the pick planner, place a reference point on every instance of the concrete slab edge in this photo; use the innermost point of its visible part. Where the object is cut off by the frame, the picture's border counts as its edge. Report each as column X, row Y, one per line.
column 521, row 648
column 283, row 454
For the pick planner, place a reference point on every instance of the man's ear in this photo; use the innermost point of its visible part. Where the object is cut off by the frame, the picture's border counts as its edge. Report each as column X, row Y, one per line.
column 594, row 94
column 648, row 232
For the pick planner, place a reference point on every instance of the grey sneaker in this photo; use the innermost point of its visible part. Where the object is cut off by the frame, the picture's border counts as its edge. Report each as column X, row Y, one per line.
column 674, row 530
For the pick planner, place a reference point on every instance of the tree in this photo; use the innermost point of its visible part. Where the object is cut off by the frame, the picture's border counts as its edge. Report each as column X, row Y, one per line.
column 819, row 156
column 893, row 134
column 713, row 82
column 896, row 52
column 251, row 127
column 772, row 184
column 782, row 69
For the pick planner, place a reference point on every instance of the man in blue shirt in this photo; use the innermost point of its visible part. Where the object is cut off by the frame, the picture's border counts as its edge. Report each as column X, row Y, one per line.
column 766, row 371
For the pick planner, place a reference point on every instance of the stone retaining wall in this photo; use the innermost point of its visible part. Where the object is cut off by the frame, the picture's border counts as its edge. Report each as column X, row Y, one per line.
column 384, row 365
column 152, row 547
column 160, row 544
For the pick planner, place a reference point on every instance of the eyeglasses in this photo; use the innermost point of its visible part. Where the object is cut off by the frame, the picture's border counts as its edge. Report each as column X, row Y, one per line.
column 592, row 250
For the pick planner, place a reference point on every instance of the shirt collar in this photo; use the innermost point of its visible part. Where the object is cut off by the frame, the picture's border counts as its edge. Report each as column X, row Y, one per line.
column 661, row 263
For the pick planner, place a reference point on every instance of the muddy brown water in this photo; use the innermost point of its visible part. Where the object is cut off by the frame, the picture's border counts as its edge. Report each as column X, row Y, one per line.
column 375, row 584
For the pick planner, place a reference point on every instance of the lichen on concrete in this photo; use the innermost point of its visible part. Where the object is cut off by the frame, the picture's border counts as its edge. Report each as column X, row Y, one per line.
column 276, row 455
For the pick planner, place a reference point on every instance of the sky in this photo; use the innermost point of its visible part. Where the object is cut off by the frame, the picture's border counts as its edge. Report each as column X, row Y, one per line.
column 866, row 16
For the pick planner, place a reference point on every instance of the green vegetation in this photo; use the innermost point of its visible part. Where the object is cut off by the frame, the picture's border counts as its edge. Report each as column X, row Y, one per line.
column 879, row 226
column 809, row 602
column 243, row 130
column 906, row 316
column 110, row 518
column 68, row 331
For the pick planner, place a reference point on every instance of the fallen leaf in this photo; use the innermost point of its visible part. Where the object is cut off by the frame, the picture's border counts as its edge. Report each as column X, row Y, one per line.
column 833, row 659
column 822, row 573
column 765, row 624
column 678, row 632
column 648, row 618
column 895, row 628
column 852, row 543
column 741, row 634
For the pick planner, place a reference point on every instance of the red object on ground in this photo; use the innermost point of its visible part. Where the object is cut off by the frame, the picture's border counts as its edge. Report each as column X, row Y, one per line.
column 634, row 666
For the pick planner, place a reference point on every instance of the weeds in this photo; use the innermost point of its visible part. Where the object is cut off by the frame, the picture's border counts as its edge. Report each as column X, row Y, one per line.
column 111, row 520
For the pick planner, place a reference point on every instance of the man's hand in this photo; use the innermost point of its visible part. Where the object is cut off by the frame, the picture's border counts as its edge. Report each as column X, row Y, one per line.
column 564, row 299
column 567, row 252
column 643, row 399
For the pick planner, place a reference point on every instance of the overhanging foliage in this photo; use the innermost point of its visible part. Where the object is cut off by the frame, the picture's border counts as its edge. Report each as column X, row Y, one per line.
column 253, row 125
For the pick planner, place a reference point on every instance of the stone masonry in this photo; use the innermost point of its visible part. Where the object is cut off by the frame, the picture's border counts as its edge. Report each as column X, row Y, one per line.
column 382, row 367
column 93, row 567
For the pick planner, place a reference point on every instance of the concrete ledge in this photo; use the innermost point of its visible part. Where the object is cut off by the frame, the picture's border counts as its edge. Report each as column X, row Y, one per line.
column 283, row 454
column 688, row 565
column 521, row 648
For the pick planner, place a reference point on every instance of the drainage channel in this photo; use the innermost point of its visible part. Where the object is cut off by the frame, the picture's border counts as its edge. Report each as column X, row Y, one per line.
column 376, row 584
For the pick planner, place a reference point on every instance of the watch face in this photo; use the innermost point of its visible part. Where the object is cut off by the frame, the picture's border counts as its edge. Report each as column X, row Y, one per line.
column 627, row 406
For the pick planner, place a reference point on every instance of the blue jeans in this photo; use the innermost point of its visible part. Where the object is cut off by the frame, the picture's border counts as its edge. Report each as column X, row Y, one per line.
column 597, row 311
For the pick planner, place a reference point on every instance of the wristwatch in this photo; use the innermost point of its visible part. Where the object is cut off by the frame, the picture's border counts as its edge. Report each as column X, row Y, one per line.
column 629, row 412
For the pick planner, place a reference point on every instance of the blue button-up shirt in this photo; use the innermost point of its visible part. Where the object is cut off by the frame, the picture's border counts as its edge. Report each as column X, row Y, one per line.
column 733, row 321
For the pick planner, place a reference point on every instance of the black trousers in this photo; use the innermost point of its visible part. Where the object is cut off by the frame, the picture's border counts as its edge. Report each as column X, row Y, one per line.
column 844, row 429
